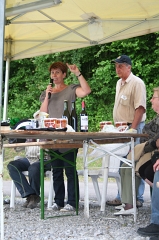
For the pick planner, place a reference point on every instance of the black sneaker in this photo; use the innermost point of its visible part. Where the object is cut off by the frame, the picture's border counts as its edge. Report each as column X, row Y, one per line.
column 150, row 230
column 6, row 201
column 154, row 238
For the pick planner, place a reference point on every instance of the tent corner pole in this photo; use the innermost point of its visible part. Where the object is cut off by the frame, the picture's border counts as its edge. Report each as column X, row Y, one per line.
column 2, row 24
column 6, row 88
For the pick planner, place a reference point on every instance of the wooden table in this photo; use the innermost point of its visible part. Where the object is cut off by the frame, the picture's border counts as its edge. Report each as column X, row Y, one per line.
column 77, row 140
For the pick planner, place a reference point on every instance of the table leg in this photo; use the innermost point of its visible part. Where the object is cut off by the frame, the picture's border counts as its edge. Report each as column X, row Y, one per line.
column 133, row 178
column 1, row 191
column 105, row 182
column 86, row 194
column 42, row 182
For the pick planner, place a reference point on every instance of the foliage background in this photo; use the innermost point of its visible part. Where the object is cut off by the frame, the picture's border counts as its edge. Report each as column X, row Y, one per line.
column 29, row 77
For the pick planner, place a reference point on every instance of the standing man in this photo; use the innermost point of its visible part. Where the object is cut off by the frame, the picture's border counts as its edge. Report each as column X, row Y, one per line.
column 130, row 107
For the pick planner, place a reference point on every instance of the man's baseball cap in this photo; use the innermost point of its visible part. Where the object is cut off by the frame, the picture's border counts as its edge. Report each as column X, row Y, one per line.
column 123, row 59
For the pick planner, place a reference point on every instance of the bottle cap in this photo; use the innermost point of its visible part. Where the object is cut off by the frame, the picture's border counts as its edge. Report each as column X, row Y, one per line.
column 83, row 104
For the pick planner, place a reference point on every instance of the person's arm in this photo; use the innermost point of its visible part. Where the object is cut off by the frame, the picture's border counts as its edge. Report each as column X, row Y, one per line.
column 152, row 144
column 84, row 88
column 138, row 116
column 44, row 105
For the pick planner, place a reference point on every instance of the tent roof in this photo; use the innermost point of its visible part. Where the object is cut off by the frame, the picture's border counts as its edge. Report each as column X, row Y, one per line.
column 75, row 24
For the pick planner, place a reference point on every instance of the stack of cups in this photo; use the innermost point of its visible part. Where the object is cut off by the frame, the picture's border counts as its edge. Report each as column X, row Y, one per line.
column 41, row 117
column 102, row 124
column 121, row 126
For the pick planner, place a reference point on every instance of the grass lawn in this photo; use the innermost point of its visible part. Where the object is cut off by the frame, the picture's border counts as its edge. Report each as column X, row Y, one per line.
column 11, row 153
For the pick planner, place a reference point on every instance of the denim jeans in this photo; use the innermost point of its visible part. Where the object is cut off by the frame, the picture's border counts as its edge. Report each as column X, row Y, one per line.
column 155, row 200
column 24, row 186
column 141, row 188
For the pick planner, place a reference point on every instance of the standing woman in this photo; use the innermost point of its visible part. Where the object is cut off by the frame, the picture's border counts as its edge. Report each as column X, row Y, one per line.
column 54, row 107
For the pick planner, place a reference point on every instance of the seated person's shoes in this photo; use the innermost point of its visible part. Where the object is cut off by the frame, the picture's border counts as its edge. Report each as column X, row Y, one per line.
column 34, row 200
column 115, row 202
column 150, row 230
column 27, row 201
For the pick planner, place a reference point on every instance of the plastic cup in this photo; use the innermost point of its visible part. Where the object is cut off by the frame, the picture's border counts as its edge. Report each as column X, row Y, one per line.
column 50, row 122
column 118, row 124
column 105, row 123
column 61, row 123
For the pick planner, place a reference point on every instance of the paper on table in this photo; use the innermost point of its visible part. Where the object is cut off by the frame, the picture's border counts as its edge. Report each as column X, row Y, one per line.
column 70, row 129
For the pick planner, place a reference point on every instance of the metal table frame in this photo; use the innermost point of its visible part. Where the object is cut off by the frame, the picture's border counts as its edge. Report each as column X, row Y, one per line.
column 54, row 156
column 72, row 140
column 106, row 154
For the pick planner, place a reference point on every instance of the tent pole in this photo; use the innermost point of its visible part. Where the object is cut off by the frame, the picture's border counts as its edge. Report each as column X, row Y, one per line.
column 6, row 88
column 2, row 24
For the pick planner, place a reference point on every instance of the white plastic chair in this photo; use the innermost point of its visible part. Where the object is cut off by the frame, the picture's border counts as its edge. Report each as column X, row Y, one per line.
column 114, row 165
column 113, row 173
column 51, row 190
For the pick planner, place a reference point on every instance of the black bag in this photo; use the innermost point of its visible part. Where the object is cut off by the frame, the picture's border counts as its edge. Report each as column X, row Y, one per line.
column 21, row 125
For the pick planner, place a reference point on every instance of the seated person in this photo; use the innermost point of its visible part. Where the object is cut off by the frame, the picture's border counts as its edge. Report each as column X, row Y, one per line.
column 143, row 153
column 153, row 229
column 27, row 189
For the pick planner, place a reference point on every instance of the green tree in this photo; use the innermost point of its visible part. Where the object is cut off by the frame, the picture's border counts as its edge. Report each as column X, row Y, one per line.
column 29, row 77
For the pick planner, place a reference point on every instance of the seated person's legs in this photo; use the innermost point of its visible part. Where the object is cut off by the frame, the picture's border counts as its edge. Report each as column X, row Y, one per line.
column 153, row 228
column 15, row 169
column 34, row 180
column 155, row 200
column 146, row 172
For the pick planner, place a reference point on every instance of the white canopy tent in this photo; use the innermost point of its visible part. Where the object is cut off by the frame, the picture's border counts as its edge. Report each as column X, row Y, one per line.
column 36, row 27
column 33, row 29
column 72, row 24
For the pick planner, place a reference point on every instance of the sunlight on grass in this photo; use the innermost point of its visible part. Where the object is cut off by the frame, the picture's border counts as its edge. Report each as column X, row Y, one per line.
column 94, row 165
column 11, row 153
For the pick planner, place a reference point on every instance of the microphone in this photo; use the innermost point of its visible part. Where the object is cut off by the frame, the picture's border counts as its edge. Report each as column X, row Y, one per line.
column 51, row 82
